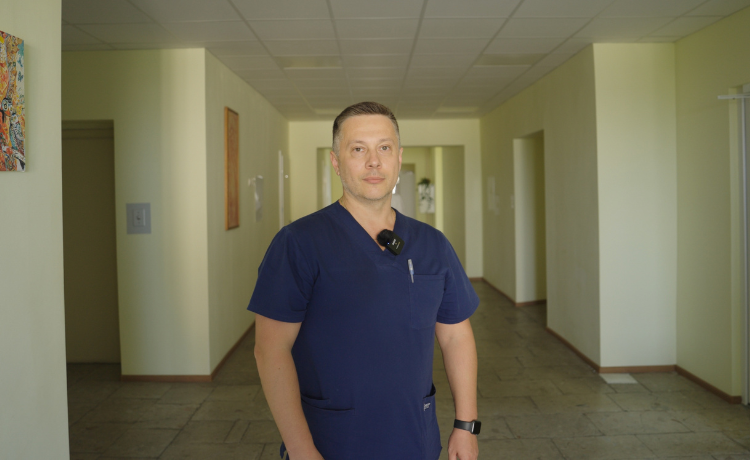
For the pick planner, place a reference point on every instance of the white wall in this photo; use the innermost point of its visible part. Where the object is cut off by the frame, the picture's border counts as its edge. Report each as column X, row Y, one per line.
column 636, row 167
column 157, row 101
column 234, row 255
column 33, row 412
column 306, row 137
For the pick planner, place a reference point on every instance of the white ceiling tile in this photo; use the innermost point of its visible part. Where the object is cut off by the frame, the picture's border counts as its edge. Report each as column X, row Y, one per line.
column 649, row 8
column 299, row 73
column 537, row 72
column 340, row 99
column 89, row 47
column 377, row 28
column 187, row 10
column 273, row 83
column 293, row 29
column 573, row 45
column 437, row 71
column 468, row 46
column 260, row 74
column 282, row 9
column 682, row 27
column 237, row 48
column 322, row 83
column 658, row 39
column 435, row 82
column 464, row 101
column 487, row 87
column 272, row 92
column 382, row 60
column 501, row 71
column 130, row 33
column 324, row 92
column 561, row 9
column 542, row 27
column 210, row 31
column 523, row 45
column 460, row 27
column 376, row 46
column 719, row 7
column 71, row 35
column 554, row 60
column 302, row 47
column 239, row 63
column 394, row 83
column 473, row 8
column 376, row 9
column 376, row 72
column 101, row 12
column 443, row 60
column 628, row 29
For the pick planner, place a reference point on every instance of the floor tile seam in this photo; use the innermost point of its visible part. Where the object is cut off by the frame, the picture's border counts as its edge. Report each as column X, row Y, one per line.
column 618, row 436
column 745, row 449
column 114, row 441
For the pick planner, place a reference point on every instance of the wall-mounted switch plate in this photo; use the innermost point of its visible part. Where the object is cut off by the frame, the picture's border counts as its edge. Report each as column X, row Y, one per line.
column 139, row 218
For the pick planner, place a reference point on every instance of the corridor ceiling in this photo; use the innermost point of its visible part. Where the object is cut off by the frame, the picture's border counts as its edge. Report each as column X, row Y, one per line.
column 423, row 58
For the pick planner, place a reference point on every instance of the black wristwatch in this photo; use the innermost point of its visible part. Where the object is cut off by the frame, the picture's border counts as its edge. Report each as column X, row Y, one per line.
column 472, row 427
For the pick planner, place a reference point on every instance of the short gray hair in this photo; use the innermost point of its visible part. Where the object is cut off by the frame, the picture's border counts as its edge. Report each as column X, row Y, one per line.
column 361, row 108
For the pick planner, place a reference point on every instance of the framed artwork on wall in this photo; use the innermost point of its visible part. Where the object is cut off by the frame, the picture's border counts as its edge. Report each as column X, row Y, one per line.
column 231, row 168
column 12, row 115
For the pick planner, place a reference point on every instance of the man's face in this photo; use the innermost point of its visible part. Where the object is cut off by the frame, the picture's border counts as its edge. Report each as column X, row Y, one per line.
column 369, row 157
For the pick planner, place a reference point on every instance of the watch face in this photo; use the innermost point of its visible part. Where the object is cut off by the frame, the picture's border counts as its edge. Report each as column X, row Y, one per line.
column 477, row 427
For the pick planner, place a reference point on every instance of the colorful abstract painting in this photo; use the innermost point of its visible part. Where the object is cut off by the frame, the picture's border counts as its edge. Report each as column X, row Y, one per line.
column 12, row 118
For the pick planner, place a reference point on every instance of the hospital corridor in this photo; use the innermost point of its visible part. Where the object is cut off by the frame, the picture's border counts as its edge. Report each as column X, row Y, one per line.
column 537, row 400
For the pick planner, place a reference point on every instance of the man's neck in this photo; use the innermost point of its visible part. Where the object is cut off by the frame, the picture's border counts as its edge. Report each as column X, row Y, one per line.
column 373, row 216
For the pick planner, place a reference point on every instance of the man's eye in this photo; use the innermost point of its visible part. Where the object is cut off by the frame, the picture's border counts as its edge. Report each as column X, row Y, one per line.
column 385, row 147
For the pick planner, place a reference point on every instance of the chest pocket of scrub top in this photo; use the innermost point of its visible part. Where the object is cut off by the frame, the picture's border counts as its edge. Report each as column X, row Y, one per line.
column 425, row 297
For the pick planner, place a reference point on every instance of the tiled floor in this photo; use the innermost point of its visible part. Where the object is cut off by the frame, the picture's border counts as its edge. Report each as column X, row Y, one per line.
column 537, row 401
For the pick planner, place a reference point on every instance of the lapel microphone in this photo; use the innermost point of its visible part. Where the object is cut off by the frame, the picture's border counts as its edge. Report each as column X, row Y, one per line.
column 391, row 241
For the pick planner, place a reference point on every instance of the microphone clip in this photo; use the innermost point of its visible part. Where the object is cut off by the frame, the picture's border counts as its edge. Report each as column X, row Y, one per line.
column 391, row 241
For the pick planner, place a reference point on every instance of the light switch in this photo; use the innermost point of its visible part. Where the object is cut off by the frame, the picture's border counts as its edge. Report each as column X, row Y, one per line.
column 139, row 218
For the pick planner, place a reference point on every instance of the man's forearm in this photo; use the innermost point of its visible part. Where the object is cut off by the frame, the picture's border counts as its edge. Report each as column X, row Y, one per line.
column 460, row 359
column 281, row 387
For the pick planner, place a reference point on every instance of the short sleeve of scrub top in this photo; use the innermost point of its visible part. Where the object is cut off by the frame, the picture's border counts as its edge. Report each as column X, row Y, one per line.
column 364, row 352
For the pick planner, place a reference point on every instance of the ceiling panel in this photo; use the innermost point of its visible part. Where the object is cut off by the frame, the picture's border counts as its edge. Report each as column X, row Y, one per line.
column 542, row 27
column 102, row 12
column 237, row 48
column 501, row 71
column 554, row 60
column 376, row 72
column 649, row 8
column 377, row 28
column 685, row 26
column 381, row 60
column 573, row 45
column 238, row 63
column 71, row 35
column 475, row 8
column 130, row 33
column 523, row 45
column 187, row 10
column 293, row 29
column 376, row 9
column 719, row 7
column 89, row 47
column 322, row 83
column 297, row 74
column 210, row 31
column 469, row 46
column 437, row 71
column 443, row 60
column 561, row 9
column 629, row 29
column 376, row 46
column 286, row 9
column 460, row 27
column 302, row 47
column 260, row 74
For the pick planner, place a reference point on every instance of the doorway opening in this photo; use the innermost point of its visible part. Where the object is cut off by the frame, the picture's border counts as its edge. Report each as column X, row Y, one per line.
column 530, row 223
column 92, row 330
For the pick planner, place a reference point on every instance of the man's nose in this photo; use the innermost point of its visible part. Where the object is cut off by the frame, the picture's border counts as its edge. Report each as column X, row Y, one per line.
column 373, row 159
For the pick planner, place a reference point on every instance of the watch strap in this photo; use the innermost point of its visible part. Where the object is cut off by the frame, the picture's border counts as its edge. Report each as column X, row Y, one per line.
column 472, row 427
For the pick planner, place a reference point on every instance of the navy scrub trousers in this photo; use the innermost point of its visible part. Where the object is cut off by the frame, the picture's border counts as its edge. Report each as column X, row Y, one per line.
column 365, row 347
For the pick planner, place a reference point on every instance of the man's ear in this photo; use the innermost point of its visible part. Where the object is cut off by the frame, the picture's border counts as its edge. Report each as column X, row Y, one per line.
column 400, row 155
column 335, row 162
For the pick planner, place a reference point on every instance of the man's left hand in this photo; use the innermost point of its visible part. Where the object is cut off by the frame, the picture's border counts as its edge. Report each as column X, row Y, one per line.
column 462, row 445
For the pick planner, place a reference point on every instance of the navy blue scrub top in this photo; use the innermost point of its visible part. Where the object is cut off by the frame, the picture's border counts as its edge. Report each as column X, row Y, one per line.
column 365, row 347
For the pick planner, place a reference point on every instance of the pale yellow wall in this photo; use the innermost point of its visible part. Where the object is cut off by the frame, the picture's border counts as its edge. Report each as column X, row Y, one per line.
column 452, row 199
column 563, row 105
column 531, row 254
column 33, row 412
column 92, row 326
column 234, row 255
column 635, row 112
column 709, row 322
column 305, row 137
column 157, row 101
column 424, row 167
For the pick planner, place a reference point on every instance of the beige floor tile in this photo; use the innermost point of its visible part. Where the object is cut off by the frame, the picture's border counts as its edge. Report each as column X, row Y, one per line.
column 549, row 361
column 187, row 393
column 665, row 445
column 628, row 388
column 119, row 410
column 271, row 451
column 237, row 431
column 146, row 390
column 91, row 392
column 84, row 456
column 734, row 418
column 105, row 373
column 518, row 449
column 205, row 432
column 141, row 443
column 499, row 407
column 583, row 386
column 503, row 389
column 741, row 437
column 173, row 416
column 552, row 426
column 262, row 432
column 246, row 377
column 603, row 448
column 707, row 400
column 76, row 411
column 239, row 451
column 553, row 373
column 663, row 382
column 619, row 423
column 654, row 401
column 234, row 393
column 561, row 404
column 95, row 437
column 731, row 457
column 233, row 410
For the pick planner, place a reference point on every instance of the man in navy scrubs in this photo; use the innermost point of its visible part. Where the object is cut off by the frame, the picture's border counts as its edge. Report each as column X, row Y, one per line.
column 345, row 329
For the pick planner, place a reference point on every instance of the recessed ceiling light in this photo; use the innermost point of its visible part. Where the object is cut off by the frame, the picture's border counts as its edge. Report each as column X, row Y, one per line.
column 309, row 62
column 487, row 60
column 457, row 109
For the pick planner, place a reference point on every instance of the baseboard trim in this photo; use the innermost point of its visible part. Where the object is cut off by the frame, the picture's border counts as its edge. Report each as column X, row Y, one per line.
column 499, row 291
column 531, row 303
column 575, row 350
column 637, row 369
column 476, row 280
column 707, row 386
column 188, row 378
